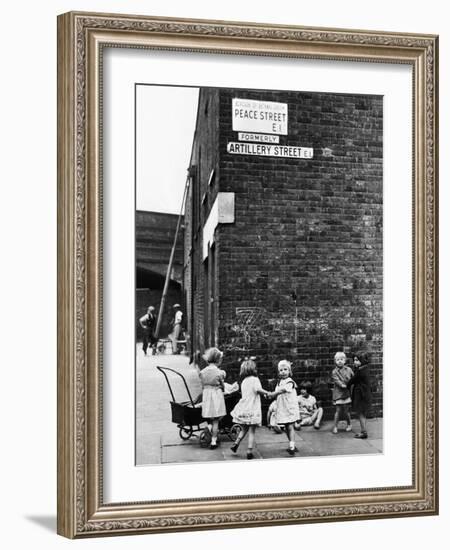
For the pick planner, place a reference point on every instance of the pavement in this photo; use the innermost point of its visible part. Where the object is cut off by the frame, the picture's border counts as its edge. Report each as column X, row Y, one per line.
column 158, row 440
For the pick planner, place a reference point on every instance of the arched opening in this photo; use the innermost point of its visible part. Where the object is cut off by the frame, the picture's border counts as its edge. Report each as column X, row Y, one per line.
column 149, row 289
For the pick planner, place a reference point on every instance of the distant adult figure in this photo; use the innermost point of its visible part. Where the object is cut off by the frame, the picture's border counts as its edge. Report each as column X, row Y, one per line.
column 175, row 334
column 148, row 322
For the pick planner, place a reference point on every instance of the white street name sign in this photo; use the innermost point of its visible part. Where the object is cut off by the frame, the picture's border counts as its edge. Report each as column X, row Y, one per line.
column 280, row 151
column 267, row 117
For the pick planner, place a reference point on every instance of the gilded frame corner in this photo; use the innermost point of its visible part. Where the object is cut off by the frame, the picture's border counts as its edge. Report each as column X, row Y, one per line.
column 81, row 36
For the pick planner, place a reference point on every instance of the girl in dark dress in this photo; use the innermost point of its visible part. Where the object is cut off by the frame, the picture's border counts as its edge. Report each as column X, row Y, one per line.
column 360, row 388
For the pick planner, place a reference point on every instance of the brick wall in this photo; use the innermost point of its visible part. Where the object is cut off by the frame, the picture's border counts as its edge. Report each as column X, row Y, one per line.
column 204, row 185
column 313, row 227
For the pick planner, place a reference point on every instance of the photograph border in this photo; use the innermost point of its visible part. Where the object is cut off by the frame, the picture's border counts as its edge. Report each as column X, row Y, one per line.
column 81, row 39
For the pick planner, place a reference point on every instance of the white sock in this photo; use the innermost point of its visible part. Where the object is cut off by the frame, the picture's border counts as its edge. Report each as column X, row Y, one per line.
column 291, row 444
column 213, row 440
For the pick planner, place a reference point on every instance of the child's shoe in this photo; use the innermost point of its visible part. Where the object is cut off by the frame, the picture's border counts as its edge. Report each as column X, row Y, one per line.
column 348, row 428
column 234, row 448
column 334, row 430
column 250, row 455
column 292, row 449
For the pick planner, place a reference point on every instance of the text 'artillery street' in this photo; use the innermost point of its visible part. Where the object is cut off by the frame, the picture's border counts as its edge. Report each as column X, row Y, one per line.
column 285, row 151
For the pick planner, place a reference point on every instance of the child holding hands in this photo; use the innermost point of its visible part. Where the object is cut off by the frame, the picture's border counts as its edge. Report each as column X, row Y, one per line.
column 287, row 411
column 247, row 411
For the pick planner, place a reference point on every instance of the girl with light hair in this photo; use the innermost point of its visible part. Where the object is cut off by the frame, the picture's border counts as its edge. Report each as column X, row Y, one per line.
column 213, row 401
column 287, row 412
column 247, row 412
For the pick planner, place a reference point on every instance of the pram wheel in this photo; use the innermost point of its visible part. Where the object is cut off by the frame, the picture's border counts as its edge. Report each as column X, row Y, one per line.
column 186, row 432
column 205, row 438
column 235, row 430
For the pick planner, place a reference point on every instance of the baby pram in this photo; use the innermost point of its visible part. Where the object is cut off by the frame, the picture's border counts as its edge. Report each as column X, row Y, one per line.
column 187, row 415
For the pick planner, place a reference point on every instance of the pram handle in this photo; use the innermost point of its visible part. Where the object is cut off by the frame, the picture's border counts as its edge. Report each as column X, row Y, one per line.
column 162, row 369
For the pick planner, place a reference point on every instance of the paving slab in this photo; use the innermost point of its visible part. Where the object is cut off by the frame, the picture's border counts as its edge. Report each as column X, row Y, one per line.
column 153, row 410
column 274, row 450
column 173, row 438
column 376, row 444
column 341, row 447
column 150, row 451
column 177, row 454
column 241, row 453
column 374, row 428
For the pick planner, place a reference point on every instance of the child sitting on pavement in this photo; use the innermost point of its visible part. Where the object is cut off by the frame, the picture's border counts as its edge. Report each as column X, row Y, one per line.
column 310, row 413
column 272, row 418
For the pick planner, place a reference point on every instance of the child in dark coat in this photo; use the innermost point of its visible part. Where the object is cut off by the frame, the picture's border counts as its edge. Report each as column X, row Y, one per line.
column 360, row 388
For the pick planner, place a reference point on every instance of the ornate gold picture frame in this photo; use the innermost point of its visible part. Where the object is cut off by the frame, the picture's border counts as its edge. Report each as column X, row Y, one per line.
column 83, row 511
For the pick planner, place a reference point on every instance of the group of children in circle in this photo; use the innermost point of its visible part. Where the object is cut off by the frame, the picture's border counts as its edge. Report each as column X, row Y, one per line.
column 288, row 410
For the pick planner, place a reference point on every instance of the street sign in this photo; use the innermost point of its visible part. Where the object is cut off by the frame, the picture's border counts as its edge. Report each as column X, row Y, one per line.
column 267, row 117
column 280, row 151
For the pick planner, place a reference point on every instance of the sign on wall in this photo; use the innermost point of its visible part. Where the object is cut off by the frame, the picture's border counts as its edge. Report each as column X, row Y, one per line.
column 267, row 117
column 262, row 138
column 280, row 151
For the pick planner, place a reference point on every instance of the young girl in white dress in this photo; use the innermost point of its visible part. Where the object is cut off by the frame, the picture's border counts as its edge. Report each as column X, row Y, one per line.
column 287, row 411
column 213, row 401
column 247, row 411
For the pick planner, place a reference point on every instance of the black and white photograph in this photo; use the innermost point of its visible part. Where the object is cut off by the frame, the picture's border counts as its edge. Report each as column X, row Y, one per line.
column 259, row 274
